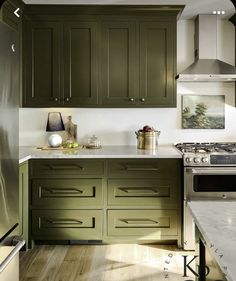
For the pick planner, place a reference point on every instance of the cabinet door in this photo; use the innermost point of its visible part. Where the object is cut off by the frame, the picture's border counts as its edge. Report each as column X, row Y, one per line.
column 80, row 64
column 67, row 224
column 42, row 64
column 118, row 64
column 142, row 192
column 66, row 193
column 157, row 64
column 147, row 224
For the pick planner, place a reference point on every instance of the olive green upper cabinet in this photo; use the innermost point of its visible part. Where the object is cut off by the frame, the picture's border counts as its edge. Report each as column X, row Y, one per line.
column 138, row 63
column 80, row 63
column 118, row 63
column 99, row 56
column 61, row 66
column 41, row 64
column 157, row 55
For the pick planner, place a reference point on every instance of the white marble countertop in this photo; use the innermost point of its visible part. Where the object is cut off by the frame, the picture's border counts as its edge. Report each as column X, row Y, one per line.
column 216, row 221
column 163, row 151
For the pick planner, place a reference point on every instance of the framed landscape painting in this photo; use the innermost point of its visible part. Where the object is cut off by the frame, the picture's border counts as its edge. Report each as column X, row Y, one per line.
column 203, row 112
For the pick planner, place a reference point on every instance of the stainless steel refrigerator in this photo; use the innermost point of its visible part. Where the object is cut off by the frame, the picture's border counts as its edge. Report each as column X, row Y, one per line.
column 10, row 241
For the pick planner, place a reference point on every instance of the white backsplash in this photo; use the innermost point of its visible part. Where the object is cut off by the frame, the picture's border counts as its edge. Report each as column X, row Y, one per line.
column 115, row 126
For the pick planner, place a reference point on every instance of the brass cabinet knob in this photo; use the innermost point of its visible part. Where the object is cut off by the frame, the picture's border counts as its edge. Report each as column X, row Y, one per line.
column 131, row 99
column 142, row 99
column 66, row 99
column 56, row 99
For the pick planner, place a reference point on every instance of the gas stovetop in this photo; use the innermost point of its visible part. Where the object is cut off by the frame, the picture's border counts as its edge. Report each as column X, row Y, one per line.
column 208, row 153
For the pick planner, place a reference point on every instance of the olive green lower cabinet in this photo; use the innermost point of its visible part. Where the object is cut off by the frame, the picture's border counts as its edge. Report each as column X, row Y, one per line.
column 145, row 224
column 108, row 201
column 67, row 224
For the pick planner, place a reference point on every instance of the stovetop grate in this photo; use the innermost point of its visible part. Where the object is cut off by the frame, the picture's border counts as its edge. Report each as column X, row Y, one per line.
column 207, row 147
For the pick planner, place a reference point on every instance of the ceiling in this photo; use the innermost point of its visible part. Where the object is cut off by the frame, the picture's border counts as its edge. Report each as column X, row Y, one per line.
column 192, row 7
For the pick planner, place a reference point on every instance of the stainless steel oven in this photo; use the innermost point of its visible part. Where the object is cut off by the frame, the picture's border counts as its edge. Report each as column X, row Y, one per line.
column 209, row 174
column 205, row 183
column 209, row 182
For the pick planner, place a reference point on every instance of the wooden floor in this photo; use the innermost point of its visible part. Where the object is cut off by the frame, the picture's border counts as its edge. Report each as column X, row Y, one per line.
column 119, row 262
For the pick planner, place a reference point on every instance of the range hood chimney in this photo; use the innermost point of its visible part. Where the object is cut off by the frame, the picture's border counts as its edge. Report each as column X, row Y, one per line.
column 207, row 68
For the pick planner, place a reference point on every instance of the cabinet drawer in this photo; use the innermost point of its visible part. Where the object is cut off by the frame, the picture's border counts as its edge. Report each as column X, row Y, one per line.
column 142, row 192
column 64, row 168
column 142, row 168
column 66, row 193
column 67, row 224
column 146, row 224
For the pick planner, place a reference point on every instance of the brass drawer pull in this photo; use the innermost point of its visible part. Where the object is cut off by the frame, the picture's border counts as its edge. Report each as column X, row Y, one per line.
column 66, row 167
column 63, row 221
column 63, row 190
column 134, row 190
column 139, row 221
column 135, row 168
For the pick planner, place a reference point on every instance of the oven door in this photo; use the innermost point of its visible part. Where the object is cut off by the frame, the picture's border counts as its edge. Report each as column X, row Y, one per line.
column 209, row 183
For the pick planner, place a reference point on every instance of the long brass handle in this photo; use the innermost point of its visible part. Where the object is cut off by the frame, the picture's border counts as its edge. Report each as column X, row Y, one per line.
column 65, row 167
column 63, row 190
column 141, row 221
column 148, row 190
column 130, row 168
column 64, row 221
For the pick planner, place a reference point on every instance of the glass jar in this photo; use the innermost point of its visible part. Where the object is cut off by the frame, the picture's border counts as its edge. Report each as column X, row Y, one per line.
column 94, row 142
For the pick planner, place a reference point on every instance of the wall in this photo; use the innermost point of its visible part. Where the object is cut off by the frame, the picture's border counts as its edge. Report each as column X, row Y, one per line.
column 117, row 126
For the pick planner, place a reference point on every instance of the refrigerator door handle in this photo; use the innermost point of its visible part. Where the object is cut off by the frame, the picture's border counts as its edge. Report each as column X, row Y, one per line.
column 12, row 254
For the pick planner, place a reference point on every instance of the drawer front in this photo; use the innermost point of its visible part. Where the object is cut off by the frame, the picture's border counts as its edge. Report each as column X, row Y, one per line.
column 146, row 224
column 66, row 168
column 138, row 168
column 66, row 193
column 67, row 224
column 142, row 192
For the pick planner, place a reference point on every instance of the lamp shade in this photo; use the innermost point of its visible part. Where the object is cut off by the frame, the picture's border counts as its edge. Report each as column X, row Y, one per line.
column 55, row 122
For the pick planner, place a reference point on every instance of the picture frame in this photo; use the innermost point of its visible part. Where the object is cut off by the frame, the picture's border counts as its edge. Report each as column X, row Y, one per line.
column 203, row 112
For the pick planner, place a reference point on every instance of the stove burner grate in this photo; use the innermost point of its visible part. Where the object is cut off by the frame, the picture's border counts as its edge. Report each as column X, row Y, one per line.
column 207, row 147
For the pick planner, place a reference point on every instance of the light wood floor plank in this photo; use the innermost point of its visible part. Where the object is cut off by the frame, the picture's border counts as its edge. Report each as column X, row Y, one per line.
column 50, row 272
column 119, row 262
column 26, row 260
column 37, row 266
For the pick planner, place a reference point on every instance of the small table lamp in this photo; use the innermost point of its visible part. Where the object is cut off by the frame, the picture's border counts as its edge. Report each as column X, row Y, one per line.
column 54, row 124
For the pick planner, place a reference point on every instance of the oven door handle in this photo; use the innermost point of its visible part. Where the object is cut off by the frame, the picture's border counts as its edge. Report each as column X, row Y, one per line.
column 12, row 254
column 212, row 171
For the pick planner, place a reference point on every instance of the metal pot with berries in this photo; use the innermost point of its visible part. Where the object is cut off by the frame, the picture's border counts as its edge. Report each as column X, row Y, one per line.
column 147, row 138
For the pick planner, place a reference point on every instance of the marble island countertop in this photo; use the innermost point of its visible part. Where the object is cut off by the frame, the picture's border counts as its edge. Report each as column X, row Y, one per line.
column 216, row 221
column 115, row 151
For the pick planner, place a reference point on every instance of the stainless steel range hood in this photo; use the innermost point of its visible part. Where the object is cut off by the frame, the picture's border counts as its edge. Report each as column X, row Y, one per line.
column 207, row 68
